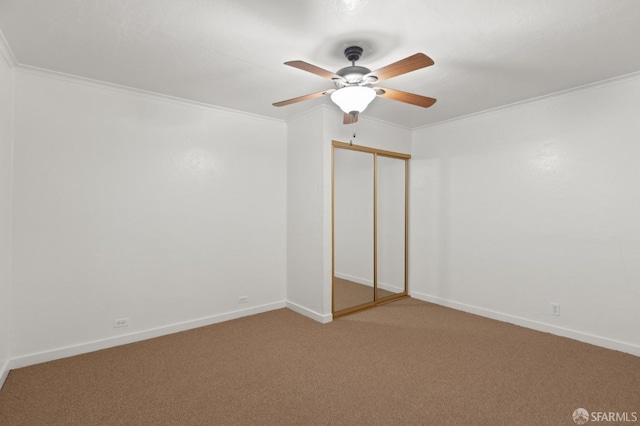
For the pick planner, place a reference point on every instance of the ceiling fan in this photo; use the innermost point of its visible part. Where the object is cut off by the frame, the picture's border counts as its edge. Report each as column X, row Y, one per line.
column 355, row 85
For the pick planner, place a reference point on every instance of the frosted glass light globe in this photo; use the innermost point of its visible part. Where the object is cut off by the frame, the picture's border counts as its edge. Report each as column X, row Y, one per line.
column 353, row 98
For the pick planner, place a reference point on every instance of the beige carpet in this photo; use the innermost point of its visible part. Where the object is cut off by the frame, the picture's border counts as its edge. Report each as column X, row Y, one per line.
column 402, row 363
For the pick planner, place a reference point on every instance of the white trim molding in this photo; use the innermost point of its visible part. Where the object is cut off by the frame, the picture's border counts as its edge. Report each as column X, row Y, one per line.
column 6, row 52
column 532, row 324
column 323, row 319
column 550, row 96
column 369, row 283
column 82, row 348
column 4, row 372
column 75, row 79
column 72, row 350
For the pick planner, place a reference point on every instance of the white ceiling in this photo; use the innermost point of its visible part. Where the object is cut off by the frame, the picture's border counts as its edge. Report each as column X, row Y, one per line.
column 230, row 53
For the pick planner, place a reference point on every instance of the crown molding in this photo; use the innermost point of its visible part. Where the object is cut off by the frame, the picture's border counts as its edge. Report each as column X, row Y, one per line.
column 306, row 112
column 555, row 95
column 84, row 81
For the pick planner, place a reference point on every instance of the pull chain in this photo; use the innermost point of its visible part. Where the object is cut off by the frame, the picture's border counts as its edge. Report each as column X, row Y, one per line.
column 354, row 135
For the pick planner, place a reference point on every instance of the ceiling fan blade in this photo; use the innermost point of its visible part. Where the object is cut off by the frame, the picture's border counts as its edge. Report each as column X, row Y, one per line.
column 403, row 66
column 349, row 118
column 409, row 98
column 303, row 98
column 304, row 66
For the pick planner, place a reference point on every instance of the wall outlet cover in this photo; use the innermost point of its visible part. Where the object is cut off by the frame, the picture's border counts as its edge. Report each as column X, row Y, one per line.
column 122, row 322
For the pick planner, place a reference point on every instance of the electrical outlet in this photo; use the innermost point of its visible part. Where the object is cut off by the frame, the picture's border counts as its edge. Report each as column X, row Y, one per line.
column 555, row 309
column 243, row 299
column 122, row 322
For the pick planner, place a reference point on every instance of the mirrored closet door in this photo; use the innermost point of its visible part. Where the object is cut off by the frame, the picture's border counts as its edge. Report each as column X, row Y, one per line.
column 352, row 229
column 369, row 227
column 391, row 226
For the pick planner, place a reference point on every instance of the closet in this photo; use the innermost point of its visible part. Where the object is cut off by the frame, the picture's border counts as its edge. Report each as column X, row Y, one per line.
column 369, row 227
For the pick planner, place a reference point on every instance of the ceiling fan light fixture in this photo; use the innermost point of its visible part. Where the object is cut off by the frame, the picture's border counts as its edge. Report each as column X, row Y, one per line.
column 353, row 91
column 353, row 98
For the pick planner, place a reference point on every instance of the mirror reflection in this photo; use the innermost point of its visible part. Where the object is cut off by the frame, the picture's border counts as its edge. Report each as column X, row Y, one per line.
column 390, row 223
column 353, row 229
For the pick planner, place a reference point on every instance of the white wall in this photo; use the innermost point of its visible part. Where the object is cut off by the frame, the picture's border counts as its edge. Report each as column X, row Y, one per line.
column 306, row 235
column 6, row 99
column 514, row 209
column 164, row 212
column 369, row 132
column 140, row 207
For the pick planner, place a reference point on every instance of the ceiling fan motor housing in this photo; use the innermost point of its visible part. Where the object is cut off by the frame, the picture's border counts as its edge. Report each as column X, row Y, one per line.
column 353, row 74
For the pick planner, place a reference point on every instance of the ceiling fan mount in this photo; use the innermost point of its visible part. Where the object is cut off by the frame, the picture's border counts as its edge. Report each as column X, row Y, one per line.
column 353, row 53
column 353, row 84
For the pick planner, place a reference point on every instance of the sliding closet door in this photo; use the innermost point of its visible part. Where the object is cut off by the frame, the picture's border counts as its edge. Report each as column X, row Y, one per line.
column 353, row 229
column 369, row 227
column 391, row 226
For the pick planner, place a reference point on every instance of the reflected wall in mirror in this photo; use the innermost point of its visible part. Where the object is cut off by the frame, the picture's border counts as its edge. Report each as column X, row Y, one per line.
column 353, row 226
column 391, row 231
column 353, row 229
column 369, row 227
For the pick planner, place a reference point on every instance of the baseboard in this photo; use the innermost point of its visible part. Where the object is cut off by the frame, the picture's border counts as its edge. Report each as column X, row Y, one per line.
column 363, row 281
column 4, row 372
column 532, row 324
column 390, row 288
column 64, row 352
column 309, row 313
column 353, row 278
